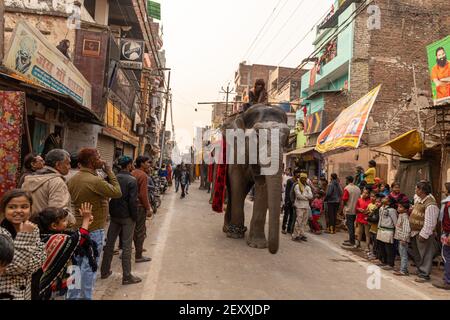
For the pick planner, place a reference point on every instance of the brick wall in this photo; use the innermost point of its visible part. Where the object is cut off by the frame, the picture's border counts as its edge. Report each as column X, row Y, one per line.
column 386, row 57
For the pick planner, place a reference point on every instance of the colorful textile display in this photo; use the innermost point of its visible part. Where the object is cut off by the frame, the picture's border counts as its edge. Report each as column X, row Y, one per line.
column 11, row 124
column 220, row 183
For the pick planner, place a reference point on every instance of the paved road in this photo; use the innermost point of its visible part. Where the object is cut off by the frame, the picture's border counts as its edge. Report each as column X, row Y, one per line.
column 192, row 259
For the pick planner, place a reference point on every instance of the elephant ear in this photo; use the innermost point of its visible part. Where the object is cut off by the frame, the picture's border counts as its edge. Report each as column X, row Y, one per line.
column 239, row 123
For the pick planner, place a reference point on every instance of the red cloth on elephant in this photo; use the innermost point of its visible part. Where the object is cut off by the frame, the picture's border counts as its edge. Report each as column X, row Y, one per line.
column 211, row 173
column 220, row 183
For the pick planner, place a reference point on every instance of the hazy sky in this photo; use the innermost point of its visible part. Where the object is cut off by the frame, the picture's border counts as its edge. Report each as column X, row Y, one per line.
column 206, row 39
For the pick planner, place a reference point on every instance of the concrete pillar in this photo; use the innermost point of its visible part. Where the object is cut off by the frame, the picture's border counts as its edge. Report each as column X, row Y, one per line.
column 102, row 12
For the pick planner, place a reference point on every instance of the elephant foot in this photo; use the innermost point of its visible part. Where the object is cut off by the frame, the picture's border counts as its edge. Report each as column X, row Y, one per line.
column 234, row 232
column 257, row 243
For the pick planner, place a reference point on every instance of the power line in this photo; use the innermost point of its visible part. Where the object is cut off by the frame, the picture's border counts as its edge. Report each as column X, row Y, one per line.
column 261, row 30
column 303, row 38
column 270, row 25
column 281, row 29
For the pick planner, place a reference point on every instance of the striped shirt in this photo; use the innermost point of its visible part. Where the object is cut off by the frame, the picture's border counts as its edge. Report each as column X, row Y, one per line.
column 431, row 219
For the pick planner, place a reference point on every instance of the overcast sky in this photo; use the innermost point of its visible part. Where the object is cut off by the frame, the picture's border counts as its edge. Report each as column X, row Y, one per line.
column 206, row 39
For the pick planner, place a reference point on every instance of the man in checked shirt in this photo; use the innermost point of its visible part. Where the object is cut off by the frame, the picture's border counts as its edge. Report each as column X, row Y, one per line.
column 423, row 221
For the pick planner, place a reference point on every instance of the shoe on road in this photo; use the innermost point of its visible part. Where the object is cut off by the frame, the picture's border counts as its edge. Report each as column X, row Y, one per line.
column 283, row 231
column 387, row 268
column 106, row 276
column 304, row 239
column 422, row 279
column 348, row 244
column 442, row 285
column 131, row 280
column 297, row 239
column 401, row 274
column 143, row 259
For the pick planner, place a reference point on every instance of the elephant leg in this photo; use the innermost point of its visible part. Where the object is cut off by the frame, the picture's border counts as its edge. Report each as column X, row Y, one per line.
column 234, row 219
column 257, row 237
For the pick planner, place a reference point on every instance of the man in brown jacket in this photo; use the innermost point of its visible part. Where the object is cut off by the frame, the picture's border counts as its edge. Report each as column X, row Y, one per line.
column 88, row 186
column 140, row 232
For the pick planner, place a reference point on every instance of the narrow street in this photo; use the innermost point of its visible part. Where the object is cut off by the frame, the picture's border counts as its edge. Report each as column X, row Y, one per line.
column 193, row 260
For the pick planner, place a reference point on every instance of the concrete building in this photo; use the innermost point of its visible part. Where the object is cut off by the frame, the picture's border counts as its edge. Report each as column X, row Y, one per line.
column 87, row 96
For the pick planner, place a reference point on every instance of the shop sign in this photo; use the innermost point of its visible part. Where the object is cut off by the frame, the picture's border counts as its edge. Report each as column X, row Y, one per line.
column 118, row 119
column 131, row 54
column 313, row 123
column 33, row 56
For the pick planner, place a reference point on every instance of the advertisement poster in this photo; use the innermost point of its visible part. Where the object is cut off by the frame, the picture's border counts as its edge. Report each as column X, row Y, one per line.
column 439, row 66
column 11, row 113
column 346, row 131
column 32, row 56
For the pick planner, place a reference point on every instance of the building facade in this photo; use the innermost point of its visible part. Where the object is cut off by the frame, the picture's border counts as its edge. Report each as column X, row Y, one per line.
column 359, row 48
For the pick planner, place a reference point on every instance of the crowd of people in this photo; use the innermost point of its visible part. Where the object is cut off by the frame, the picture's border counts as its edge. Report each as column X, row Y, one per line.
column 380, row 219
column 52, row 229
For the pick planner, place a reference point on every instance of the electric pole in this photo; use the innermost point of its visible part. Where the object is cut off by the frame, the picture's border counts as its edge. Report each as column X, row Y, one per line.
column 165, row 121
column 227, row 92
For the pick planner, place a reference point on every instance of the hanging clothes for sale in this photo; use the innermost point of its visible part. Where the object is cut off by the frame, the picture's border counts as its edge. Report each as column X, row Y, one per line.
column 11, row 124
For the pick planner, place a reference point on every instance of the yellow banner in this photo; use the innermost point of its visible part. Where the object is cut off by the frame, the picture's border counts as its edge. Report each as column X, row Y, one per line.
column 346, row 131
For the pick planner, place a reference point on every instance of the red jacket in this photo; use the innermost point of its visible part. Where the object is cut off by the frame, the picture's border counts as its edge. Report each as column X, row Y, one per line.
column 142, row 181
column 362, row 204
column 446, row 219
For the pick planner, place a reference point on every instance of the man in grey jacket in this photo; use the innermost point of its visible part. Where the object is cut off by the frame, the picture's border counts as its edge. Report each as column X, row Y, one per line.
column 123, row 213
column 48, row 186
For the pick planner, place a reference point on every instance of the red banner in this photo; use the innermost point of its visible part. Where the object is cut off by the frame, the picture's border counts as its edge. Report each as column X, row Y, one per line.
column 11, row 124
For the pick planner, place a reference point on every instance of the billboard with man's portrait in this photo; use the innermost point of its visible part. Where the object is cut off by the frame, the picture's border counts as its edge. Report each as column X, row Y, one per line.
column 439, row 66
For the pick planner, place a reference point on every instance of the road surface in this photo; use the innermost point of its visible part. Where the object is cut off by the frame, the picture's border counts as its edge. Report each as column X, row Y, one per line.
column 193, row 260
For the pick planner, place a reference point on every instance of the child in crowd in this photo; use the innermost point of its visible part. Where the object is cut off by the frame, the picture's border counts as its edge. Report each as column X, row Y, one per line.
column 403, row 235
column 6, row 258
column 6, row 252
column 317, row 210
column 362, row 223
column 384, row 189
column 29, row 251
column 373, row 218
column 51, row 281
column 385, row 235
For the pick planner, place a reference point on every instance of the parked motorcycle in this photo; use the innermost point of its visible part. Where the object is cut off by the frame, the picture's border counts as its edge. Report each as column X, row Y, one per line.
column 154, row 195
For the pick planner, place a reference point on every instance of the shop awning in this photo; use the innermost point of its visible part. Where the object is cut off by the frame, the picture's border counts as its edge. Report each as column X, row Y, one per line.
column 300, row 151
column 15, row 82
column 408, row 144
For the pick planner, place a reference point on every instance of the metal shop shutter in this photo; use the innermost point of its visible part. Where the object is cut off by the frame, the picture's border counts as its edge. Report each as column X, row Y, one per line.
column 105, row 147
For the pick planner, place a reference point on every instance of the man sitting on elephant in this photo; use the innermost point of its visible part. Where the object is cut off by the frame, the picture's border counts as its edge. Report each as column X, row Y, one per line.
column 257, row 95
column 303, row 194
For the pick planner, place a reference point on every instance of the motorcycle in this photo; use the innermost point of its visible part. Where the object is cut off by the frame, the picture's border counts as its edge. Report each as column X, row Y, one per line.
column 164, row 184
column 154, row 195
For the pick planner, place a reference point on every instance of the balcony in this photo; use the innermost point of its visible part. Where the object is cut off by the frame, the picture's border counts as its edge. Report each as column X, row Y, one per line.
column 332, row 19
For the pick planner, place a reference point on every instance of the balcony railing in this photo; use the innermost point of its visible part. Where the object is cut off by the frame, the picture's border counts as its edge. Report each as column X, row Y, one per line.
column 332, row 19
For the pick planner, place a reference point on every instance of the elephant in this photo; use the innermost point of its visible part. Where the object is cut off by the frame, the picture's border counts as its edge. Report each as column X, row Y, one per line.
column 241, row 177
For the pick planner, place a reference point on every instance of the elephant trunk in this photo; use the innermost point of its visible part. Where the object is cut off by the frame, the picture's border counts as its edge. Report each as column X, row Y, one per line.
column 274, row 184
